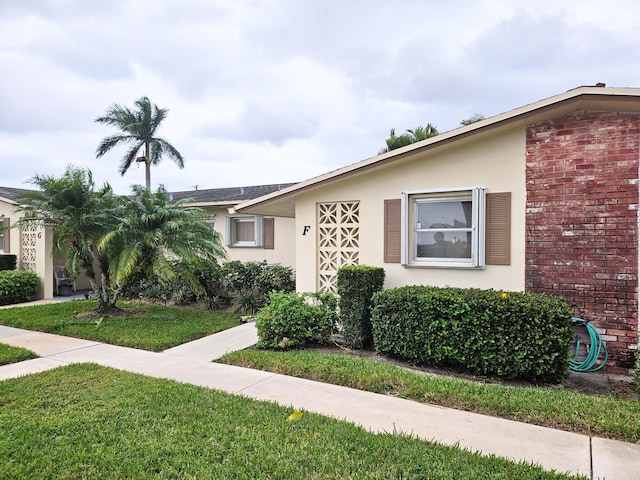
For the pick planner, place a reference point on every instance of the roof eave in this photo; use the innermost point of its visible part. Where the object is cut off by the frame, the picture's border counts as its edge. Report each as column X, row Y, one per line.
column 221, row 203
column 575, row 99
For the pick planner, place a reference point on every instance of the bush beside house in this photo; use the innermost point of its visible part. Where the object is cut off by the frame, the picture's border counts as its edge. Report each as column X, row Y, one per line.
column 244, row 286
column 513, row 335
column 17, row 286
column 291, row 320
column 356, row 286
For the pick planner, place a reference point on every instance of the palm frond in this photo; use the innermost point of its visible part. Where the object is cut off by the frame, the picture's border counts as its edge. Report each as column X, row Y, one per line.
column 138, row 126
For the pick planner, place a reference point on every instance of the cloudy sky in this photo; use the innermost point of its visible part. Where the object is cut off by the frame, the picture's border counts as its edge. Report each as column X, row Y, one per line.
column 271, row 91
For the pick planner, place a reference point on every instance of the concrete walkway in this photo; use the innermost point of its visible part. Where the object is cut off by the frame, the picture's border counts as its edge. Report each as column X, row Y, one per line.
column 191, row 363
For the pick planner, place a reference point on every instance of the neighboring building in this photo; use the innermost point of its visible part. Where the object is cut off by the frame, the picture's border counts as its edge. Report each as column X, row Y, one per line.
column 246, row 237
column 32, row 247
column 543, row 198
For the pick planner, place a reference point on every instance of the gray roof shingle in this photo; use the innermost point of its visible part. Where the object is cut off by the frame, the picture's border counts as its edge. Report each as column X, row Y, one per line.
column 13, row 193
column 231, row 195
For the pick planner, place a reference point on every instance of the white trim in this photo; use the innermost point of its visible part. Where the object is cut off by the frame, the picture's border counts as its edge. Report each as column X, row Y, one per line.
column 478, row 202
column 230, row 234
column 585, row 97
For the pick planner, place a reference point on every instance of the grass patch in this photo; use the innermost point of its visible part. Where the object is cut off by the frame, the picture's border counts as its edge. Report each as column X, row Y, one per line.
column 89, row 421
column 10, row 354
column 605, row 416
column 144, row 326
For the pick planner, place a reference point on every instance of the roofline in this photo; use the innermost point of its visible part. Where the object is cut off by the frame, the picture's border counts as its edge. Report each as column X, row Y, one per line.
column 566, row 99
column 8, row 200
column 220, row 203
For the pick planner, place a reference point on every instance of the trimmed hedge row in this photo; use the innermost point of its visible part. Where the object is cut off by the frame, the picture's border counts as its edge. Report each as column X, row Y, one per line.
column 356, row 286
column 513, row 335
column 17, row 286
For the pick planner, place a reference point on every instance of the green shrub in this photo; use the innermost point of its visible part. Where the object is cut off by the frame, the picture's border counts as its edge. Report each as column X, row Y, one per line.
column 291, row 320
column 356, row 286
column 246, row 286
column 17, row 286
column 247, row 302
column 513, row 335
column 243, row 286
column 8, row 261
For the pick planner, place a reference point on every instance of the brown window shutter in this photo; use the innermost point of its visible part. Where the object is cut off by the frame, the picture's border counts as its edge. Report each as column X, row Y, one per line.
column 268, row 233
column 392, row 216
column 498, row 229
column 6, row 231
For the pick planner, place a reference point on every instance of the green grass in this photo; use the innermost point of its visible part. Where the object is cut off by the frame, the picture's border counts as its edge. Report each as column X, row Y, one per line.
column 89, row 421
column 600, row 415
column 9, row 354
column 148, row 327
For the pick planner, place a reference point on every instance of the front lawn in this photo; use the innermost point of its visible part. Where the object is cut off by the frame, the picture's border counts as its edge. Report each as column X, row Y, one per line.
column 89, row 421
column 9, row 354
column 141, row 325
column 601, row 415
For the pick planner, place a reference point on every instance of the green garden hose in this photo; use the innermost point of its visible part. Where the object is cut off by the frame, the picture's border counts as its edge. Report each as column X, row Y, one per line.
column 594, row 348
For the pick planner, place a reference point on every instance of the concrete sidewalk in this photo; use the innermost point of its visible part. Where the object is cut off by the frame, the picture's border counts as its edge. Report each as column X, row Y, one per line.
column 191, row 363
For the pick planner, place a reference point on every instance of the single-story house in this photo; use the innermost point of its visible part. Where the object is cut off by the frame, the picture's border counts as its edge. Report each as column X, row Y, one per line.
column 245, row 236
column 543, row 198
column 31, row 246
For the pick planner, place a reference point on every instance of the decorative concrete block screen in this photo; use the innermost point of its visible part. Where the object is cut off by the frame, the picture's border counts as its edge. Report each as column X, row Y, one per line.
column 338, row 241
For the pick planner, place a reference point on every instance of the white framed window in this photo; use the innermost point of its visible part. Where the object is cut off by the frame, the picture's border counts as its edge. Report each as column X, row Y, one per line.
column 443, row 228
column 244, row 231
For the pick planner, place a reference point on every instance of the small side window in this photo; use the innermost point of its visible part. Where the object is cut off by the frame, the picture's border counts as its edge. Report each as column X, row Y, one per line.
column 244, row 231
column 4, row 235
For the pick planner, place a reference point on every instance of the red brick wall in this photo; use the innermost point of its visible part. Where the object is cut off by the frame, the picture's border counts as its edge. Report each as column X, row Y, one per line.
column 582, row 221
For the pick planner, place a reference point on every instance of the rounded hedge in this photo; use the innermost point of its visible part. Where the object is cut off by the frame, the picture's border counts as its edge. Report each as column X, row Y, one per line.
column 17, row 286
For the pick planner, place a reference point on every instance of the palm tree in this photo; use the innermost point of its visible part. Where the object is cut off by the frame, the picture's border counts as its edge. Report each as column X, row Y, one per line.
column 79, row 215
column 477, row 117
column 155, row 233
column 411, row 136
column 422, row 133
column 138, row 128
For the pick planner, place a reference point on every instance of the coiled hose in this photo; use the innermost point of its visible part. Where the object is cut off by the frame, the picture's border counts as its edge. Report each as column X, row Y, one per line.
column 594, row 348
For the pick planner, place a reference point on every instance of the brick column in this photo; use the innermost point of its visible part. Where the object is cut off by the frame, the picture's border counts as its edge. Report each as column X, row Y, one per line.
column 582, row 221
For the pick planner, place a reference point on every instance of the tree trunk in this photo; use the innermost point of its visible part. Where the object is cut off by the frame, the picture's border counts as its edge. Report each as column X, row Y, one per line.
column 147, row 166
column 147, row 173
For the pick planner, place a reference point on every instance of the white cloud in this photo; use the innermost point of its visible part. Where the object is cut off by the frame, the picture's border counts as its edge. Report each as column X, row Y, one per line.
column 268, row 91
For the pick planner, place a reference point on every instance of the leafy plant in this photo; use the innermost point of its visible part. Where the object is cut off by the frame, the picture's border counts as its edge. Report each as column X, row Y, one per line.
column 247, row 285
column 291, row 320
column 17, row 286
column 247, row 301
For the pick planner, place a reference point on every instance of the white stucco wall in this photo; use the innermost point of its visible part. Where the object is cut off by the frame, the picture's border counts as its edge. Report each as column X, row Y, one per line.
column 7, row 211
column 284, row 248
column 494, row 160
column 42, row 265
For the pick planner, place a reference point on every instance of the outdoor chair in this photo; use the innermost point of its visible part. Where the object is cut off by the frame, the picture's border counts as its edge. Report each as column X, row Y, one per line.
column 61, row 278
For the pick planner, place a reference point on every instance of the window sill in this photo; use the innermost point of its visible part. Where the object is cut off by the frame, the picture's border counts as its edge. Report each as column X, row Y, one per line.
column 445, row 266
